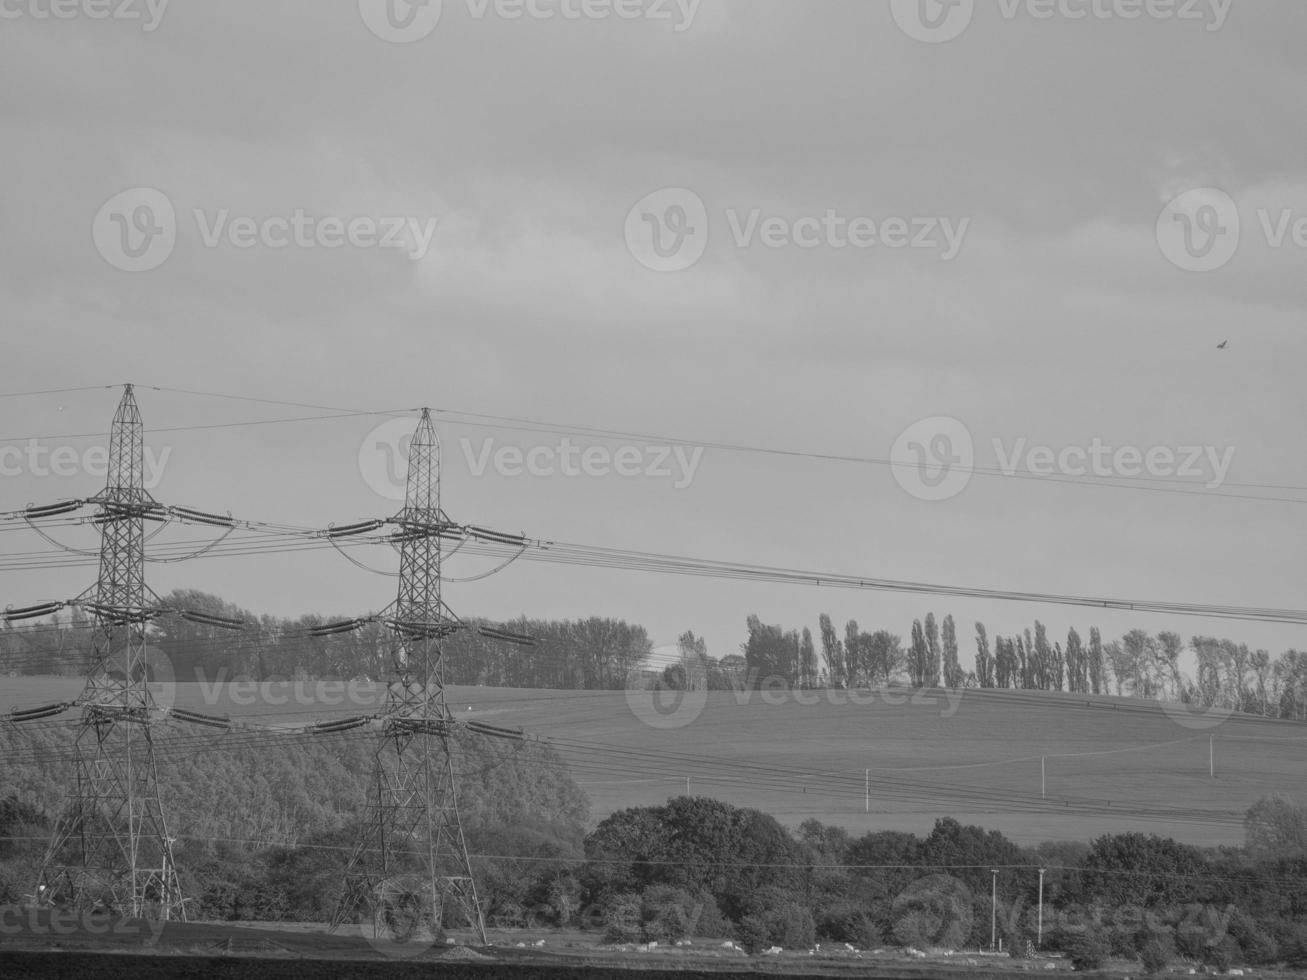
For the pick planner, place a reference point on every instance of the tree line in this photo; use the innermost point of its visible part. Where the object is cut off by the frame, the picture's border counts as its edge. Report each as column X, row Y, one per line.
column 600, row 653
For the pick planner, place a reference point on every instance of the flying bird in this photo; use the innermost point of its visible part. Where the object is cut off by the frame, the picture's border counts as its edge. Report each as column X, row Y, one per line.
column 1221, row 345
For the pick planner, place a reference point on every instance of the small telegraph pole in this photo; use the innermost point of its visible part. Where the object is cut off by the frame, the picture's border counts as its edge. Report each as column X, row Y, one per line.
column 1039, row 927
column 1042, row 782
column 993, row 909
column 1211, row 756
column 866, row 783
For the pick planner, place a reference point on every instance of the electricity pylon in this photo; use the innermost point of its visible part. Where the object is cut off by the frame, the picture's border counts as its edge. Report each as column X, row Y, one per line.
column 110, row 847
column 411, row 858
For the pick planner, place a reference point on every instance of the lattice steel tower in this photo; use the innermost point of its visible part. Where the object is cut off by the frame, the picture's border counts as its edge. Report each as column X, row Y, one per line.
column 110, row 846
column 411, row 858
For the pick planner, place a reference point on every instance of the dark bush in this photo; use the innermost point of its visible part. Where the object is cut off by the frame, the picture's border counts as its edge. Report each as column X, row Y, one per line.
column 753, row 934
column 1293, row 946
column 1222, row 955
column 1087, row 950
column 622, row 918
column 711, row 923
column 668, row 914
column 1157, row 953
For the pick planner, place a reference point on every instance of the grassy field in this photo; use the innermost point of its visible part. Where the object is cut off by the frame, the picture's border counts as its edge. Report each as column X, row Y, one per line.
column 1109, row 764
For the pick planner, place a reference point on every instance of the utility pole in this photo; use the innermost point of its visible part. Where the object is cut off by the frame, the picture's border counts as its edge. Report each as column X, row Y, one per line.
column 993, row 909
column 1211, row 756
column 1039, row 928
column 866, row 783
column 1042, row 782
column 113, row 822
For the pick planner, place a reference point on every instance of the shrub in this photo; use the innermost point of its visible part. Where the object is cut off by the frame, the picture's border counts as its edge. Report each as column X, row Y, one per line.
column 622, row 918
column 1293, row 946
column 1222, row 955
column 792, row 927
column 847, row 922
column 668, row 914
column 1157, row 953
column 711, row 924
column 753, row 934
column 1087, row 950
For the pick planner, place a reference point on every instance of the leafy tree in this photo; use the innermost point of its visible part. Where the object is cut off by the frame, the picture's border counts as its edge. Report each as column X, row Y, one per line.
column 1097, row 682
column 807, row 661
column 1157, row 953
column 918, row 656
column 1276, row 827
column 933, row 674
column 1087, row 950
column 832, row 652
column 953, row 673
column 984, row 660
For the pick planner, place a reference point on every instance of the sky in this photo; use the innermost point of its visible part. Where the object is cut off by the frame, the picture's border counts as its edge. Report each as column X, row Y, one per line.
column 950, row 256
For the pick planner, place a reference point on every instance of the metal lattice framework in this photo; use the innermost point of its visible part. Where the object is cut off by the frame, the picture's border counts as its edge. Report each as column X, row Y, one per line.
column 411, row 861
column 110, row 847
